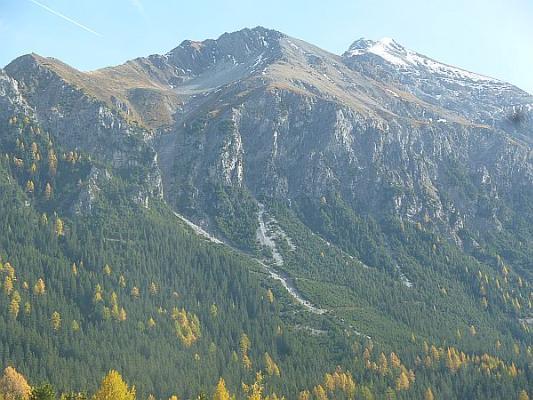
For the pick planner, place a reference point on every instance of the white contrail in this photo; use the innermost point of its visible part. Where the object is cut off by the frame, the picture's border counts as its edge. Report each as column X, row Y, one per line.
column 65, row 18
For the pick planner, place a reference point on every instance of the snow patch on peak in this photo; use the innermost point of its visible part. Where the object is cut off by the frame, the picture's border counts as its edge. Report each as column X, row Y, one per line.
column 385, row 48
column 394, row 53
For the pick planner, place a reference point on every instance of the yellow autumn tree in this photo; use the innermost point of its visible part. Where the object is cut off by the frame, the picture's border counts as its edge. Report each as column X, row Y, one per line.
column 113, row 387
column 270, row 296
column 320, row 393
column 428, row 394
column 40, row 287
column 98, row 296
column 135, row 293
column 382, row 364
column 52, row 162
column 187, row 326
column 9, row 270
column 59, row 227
column 271, row 367
column 153, row 289
column 304, row 395
column 13, row 385
column 402, row 382
column 30, row 186
column 8, row 285
column 56, row 320
column 221, row 393
column 255, row 390
column 523, row 395
column 395, row 361
column 14, row 308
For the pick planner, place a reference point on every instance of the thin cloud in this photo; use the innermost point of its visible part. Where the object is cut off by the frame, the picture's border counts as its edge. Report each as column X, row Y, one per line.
column 66, row 18
column 138, row 6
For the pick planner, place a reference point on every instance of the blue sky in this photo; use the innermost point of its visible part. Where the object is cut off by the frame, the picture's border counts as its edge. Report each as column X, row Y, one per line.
column 492, row 37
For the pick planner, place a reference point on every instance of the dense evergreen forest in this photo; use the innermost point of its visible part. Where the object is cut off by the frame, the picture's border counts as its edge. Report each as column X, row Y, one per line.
column 130, row 288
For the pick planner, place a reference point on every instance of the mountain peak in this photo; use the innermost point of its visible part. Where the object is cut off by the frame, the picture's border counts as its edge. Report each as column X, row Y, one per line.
column 386, row 48
column 251, row 38
column 399, row 57
column 235, row 47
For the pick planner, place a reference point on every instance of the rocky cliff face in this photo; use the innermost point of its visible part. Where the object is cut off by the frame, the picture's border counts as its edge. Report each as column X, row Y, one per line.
column 393, row 132
column 311, row 123
column 78, row 121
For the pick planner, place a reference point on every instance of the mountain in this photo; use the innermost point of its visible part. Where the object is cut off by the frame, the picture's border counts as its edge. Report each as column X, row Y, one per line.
column 340, row 205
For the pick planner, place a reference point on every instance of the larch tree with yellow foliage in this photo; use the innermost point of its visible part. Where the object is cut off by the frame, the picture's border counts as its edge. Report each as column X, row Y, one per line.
column 8, row 285
column 255, row 390
column 320, row 393
column 113, row 387
column 13, row 385
column 56, row 320
column 304, row 395
column 221, row 393
column 40, row 287
column 270, row 366
column 59, row 227
column 523, row 395
column 402, row 382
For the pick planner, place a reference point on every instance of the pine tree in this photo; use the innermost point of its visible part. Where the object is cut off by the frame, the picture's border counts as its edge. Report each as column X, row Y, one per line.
column 213, row 310
column 244, row 344
column 52, row 162
column 75, row 326
column 48, row 191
